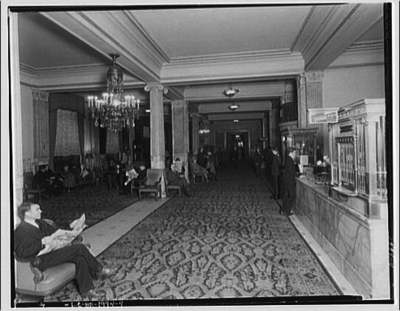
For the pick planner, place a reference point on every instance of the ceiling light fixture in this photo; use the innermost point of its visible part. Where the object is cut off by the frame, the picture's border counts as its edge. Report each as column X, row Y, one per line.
column 233, row 107
column 230, row 92
column 114, row 110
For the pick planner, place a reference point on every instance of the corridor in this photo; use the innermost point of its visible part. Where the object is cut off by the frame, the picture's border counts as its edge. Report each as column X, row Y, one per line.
column 227, row 240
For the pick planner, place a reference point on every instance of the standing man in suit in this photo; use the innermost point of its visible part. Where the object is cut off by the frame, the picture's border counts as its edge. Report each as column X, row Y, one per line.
column 289, row 183
column 276, row 164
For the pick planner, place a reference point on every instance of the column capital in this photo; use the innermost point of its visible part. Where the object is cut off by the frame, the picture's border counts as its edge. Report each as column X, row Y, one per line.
column 179, row 102
column 155, row 85
column 314, row 76
column 195, row 115
column 40, row 95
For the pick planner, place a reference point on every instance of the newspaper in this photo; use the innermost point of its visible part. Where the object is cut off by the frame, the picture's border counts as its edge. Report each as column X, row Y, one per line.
column 61, row 238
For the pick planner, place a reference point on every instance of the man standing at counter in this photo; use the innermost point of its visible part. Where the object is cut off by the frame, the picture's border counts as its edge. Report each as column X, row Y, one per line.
column 289, row 183
column 275, row 172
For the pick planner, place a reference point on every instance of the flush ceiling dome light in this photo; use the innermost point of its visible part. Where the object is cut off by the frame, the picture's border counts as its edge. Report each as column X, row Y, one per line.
column 230, row 92
column 233, row 107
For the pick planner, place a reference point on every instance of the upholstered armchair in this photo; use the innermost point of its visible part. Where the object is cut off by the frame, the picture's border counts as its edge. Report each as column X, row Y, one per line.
column 30, row 282
column 152, row 183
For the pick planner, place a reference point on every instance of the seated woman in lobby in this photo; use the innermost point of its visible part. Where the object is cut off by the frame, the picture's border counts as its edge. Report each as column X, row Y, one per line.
column 197, row 170
column 177, row 166
column 68, row 178
column 210, row 166
column 111, row 173
column 174, row 178
column 141, row 178
column 34, row 242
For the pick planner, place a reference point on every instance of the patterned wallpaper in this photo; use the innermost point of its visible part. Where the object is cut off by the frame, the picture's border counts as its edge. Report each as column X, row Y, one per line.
column 67, row 137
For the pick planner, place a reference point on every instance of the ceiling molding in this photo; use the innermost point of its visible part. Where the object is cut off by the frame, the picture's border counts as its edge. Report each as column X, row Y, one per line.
column 372, row 45
column 230, row 57
column 366, row 53
column 105, row 32
column 77, row 77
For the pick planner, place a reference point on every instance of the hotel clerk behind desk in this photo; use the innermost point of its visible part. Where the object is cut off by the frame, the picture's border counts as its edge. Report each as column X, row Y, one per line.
column 34, row 242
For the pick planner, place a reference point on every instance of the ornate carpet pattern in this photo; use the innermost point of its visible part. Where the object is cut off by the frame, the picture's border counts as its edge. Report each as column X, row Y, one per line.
column 95, row 201
column 228, row 240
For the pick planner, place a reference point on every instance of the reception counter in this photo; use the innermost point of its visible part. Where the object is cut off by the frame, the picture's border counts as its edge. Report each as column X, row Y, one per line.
column 356, row 243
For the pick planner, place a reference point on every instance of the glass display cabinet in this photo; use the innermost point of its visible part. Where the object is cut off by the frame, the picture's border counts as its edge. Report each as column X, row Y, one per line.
column 357, row 150
column 304, row 140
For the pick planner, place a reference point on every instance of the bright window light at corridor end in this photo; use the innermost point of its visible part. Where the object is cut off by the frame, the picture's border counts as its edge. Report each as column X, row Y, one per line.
column 235, row 121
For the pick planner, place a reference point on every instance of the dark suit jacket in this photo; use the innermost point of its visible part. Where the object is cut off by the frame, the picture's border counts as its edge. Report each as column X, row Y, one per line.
column 28, row 239
column 276, row 165
column 289, row 175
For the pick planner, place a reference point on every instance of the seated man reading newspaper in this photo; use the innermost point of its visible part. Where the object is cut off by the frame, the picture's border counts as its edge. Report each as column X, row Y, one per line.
column 44, row 246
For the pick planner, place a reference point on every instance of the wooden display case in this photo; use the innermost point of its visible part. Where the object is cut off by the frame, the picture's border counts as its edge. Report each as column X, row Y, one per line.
column 357, row 150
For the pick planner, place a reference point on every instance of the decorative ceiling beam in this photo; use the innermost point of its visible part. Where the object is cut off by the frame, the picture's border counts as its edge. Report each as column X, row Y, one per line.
column 113, row 32
column 327, row 33
column 255, row 90
column 236, row 116
column 238, row 66
column 245, row 106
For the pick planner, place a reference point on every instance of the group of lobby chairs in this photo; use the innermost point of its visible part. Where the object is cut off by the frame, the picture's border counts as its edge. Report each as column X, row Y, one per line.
column 152, row 185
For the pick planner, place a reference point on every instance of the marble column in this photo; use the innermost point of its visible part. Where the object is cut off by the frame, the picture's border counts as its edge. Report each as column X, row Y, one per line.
column 180, row 132
column 157, row 134
column 16, row 120
column 195, row 133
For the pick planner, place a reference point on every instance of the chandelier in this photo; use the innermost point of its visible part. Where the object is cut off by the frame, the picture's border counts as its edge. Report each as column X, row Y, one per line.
column 113, row 109
column 204, row 127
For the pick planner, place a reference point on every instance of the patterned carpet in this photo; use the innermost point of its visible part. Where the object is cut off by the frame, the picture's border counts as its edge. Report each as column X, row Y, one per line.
column 228, row 240
column 95, row 201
